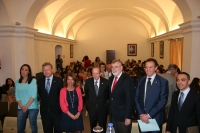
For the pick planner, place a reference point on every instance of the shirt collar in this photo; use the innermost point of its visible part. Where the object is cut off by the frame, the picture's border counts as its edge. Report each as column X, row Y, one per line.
column 186, row 91
column 51, row 77
column 152, row 77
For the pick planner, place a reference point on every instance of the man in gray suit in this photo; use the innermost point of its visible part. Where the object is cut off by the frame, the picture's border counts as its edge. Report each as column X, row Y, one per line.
column 172, row 68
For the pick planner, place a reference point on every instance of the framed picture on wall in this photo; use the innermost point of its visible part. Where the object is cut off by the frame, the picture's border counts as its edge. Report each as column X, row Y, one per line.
column 71, row 50
column 152, row 49
column 132, row 49
column 162, row 49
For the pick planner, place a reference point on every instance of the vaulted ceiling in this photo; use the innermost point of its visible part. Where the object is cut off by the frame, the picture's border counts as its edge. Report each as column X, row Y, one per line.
column 65, row 17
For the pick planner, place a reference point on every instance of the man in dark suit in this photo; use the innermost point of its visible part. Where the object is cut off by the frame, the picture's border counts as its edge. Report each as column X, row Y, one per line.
column 121, row 98
column 49, row 91
column 151, row 95
column 185, row 107
column 97, row 95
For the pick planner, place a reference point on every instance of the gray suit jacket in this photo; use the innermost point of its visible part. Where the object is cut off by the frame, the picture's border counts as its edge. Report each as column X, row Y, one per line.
column 171, row 85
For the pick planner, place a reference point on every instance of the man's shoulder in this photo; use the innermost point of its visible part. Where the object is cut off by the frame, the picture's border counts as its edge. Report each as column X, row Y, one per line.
column 167, row 75
column 161, row 78
column 57, row 78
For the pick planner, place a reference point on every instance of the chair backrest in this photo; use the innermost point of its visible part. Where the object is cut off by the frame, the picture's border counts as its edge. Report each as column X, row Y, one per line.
column 1, row 127
column 194, row 129
column 13, row 109
column 3, row 108
column 4, row 97
column 10, row 125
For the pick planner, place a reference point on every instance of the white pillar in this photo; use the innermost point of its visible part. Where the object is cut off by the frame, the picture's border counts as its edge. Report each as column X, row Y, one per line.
column 16, row 49
column 191, row 48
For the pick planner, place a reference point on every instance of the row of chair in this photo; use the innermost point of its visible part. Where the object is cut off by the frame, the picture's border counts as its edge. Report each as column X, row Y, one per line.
column 10, row 125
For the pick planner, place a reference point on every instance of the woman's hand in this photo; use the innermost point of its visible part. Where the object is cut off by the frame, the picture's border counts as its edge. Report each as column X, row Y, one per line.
column 24, row 109
column 71, row 115
column 77, row 115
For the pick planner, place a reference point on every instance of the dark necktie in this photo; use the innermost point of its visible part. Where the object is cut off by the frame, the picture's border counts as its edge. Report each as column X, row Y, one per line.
column 114, row 84
column 96, row 87
column 148, row 87
column 48, row 86
column 180, row 101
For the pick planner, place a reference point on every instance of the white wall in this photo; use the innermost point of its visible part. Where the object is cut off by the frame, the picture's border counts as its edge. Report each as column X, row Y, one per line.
column 112, row 33
column 45, row 47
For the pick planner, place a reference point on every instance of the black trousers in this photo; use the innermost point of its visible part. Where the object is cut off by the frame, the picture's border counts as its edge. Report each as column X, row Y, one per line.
column 51, row 123
column 99, row 117
column 120, row 127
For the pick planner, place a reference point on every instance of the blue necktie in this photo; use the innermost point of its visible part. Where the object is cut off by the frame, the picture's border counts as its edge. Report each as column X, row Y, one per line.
column 48, row 86
column 180, row 101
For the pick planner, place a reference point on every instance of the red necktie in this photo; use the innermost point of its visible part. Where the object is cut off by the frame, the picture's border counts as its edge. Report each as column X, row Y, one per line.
column 114, row 84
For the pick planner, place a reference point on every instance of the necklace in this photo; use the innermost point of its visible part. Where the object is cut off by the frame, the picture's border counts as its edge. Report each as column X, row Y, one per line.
column 71, row 99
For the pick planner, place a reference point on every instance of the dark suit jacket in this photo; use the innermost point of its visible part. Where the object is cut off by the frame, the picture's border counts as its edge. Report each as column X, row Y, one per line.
column 122, row 98
column 92, row 100
column 50, row 101
column 189, row 114
column 156, row 99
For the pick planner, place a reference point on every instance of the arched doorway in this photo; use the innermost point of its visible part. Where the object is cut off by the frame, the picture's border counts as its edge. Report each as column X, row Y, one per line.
column 58, row 51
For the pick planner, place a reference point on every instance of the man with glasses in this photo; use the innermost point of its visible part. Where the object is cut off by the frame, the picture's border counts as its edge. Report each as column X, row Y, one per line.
column 121, row 98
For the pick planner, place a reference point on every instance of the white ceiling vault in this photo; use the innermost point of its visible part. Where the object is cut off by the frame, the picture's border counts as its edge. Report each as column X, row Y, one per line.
column 64, row 18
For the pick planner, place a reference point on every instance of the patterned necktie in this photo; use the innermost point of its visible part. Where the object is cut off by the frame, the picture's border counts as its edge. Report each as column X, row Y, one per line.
column 114, row 84
column 48, row 86
column 180, row 101
column 96, row 88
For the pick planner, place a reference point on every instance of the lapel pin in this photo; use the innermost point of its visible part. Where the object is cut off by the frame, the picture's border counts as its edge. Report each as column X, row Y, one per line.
column 54, row 81
column 101, row 83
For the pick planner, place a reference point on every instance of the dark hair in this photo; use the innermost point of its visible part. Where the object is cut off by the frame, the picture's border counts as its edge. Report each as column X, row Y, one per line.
column 73, row 77
column 96, row 59
column 103, row 65
column 86, row 57
column 160, row 69
column 153, row 60
column 7, row 85
column 188, row 76
column 29, row 74
column 195, row 82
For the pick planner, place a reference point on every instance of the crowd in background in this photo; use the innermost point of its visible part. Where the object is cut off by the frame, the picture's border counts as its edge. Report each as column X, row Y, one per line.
column 80, row 70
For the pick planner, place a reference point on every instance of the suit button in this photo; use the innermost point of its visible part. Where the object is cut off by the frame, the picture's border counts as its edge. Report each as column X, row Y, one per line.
column 112, row 99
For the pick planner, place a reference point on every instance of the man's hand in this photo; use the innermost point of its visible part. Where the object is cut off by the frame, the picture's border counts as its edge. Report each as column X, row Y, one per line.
column 167, row 132
column 144, row 118
column 127, row 121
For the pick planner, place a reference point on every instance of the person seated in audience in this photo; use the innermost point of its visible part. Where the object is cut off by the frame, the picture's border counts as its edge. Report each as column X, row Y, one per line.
column 108, row 68
column 159, row 70
column 10, row 89
column 97, row 62
column 87, row 62
column 76, row 71
column 71, row 66
column 195, row 85
column 103, row 71
column 89, row 74
column 81, row 73
column 139, row 63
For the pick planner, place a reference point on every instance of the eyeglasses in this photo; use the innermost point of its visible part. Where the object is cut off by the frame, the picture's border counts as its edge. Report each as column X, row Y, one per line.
column 115, row 67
